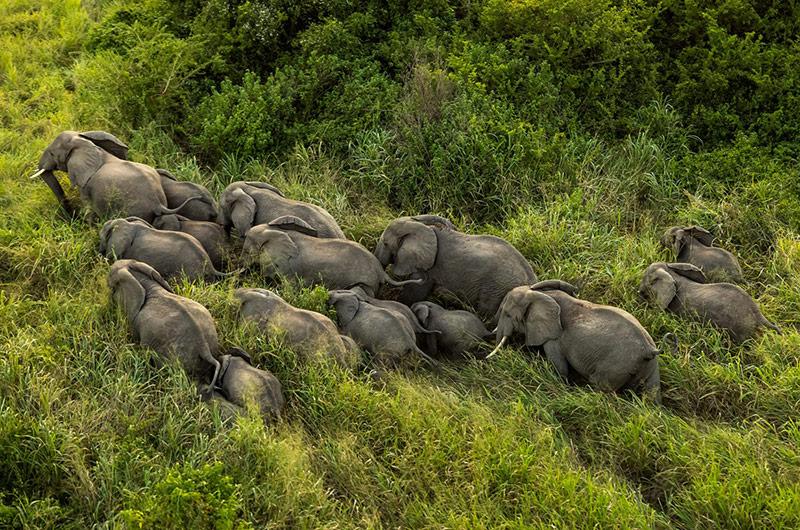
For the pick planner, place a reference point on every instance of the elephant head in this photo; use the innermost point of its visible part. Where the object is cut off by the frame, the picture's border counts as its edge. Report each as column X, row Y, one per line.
column 272, row 248
column 125, row 280
column 170, row 222
column 533, row 311
column 257, row 301
column 81, row 155
column 410, row 246
column 659, row 282
column 346, row 304
column 676, row 237
column 117, row 235
column 238, row 208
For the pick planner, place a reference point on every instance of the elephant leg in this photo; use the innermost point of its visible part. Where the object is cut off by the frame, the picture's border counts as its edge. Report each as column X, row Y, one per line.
column 553, row 352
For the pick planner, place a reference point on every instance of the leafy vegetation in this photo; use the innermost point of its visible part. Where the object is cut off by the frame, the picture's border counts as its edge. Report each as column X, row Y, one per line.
column 578, row 130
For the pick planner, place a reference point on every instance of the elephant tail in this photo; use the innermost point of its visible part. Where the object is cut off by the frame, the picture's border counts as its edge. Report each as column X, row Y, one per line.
column 163, row 210
column 772, row 325
column 425, row 357
column 670, row 339
column 401, row 283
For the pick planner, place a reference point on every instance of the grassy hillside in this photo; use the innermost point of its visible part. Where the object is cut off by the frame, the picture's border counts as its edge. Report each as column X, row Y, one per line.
column 577, row 130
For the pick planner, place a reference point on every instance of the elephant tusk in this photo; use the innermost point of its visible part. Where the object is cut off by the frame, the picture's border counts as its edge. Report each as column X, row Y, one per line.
column 494, row 330
column 37, row 174
column 502, row 343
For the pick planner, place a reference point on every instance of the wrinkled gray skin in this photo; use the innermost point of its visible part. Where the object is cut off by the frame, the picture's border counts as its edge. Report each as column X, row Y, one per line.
column 95, row 162
column 478, row 270
column 387, row 335
column 174, row 326
column 461, row 333
column 693, row 244
column 248, row 204
column 308, row 333
column 170, row 253
column 333, row 263
column 681, row 288
column 604, row 345
column 397, row 307
column 241, row 383
column 211, row 235
column 203, row 208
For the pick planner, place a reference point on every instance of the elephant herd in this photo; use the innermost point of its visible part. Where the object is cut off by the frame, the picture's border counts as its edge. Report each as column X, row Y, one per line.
column 161, row 229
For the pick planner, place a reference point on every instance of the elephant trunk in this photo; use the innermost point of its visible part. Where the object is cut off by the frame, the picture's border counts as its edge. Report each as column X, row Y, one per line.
column 52, row 182
column 383, row 253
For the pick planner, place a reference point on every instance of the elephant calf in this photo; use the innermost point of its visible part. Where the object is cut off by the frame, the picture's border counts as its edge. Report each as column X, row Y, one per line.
column 248, row 204
column 174, row 326
column 681, row 288
column 692, row 244
column 289, row 246
column 459, row 332
column 242, row 384
column 210, row 235
column 387, row 335
column 603, row 345
column 309, row 333
column 202, row 208
column 477, row 269
column 170, row 253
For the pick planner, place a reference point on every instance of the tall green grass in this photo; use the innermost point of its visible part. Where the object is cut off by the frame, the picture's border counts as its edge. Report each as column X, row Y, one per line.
column 94, row 433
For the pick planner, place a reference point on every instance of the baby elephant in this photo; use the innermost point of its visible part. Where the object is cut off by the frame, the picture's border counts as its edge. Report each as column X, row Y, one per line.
column 289, row 246
column 174, row 326
column 309, row 333
column 247, row 204
column 681, row 288
column 692, row 244
column 603, row 345
column 242, row 383
column 460, row 332
column 210, row 235
column 387, row 335
column 170, row 253
column 202, row 208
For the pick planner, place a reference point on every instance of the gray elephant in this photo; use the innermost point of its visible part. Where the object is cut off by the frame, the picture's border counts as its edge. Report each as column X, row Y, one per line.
column 241, row 384
column 96, row 164
column 478, row 270
column 171, row 253
column 681, row 288
column 174, row 326
column 308, row 333
column 460, row 332
column 202, row 208
column 288, row 246
column 603, row 345
column 210, row 235
column 247, row 204
column 387, row 335
column 693, row 244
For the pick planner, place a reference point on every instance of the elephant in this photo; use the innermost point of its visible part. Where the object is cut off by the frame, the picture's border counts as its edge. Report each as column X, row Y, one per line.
column 248, row 204
column 460, row 332
column 204, row 208
column 387, row 335
column 173, row 326
column 170, row 253
column 692, row 244
column 309, row 333
column 289, row 246
column 603, row 345
column 478, row 270
column 97, row 166
column 242, row 383
column 681, row 288
column 210, row 235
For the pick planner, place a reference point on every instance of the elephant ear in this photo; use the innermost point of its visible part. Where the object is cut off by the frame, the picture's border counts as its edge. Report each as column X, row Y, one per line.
column 264, row 186
column 435, row 220
column 422, row 312
column 346, row 305
column 150, row 273
column 293, row 223
column 120, row 237
column 663, row 285
column 84, row 160
column 555, row 285
column 678, row 239
column 510, row 315
column 700, row 234
column 687, row 270
column 243, row 210
column 416, row 250
column 123, row 283
column 108, row 142
column 543, row 319
column 280, row 249
column 166, row 174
